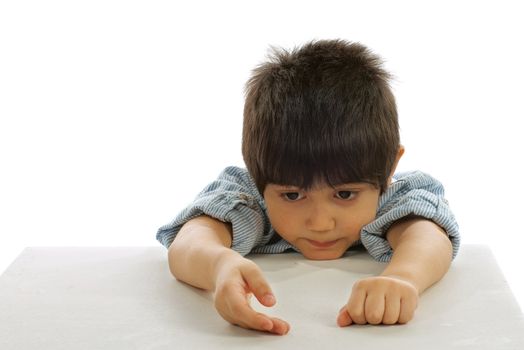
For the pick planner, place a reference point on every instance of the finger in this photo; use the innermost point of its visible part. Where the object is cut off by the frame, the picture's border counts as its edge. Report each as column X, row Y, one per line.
column 356, row 304
column 392, row 309
column 343, row 319
column 407, row 309
column 239, row 312
column 232, row 303
column 258, row 285
column 262, row 322
column 374, row 308
column 280, row 327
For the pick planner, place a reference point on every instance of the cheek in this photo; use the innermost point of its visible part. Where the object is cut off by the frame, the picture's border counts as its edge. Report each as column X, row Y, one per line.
column 352, row 224
column 283, row 221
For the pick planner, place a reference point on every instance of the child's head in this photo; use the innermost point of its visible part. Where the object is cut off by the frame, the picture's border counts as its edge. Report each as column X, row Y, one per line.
column 323, row 113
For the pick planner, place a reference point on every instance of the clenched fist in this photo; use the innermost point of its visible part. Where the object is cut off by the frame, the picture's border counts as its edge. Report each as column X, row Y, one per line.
column 382, row 299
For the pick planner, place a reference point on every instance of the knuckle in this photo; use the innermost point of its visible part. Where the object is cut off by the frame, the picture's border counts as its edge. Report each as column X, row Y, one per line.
column 394, row 288
column 258, row 284
column 357, row 316
column 403, row 319
column 250, row 269
column 374, row 317
column 389, row 320
column 250, row 266
column 359, row 285
column 410, row 304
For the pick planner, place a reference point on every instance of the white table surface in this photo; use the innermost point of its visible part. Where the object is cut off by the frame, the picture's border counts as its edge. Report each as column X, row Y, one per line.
column 125, row 298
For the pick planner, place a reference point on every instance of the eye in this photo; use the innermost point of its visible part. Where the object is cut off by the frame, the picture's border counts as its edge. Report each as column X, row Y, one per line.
column 345, row 195
column 292, row 196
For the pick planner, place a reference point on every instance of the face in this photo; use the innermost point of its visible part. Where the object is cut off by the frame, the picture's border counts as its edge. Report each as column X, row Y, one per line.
column 324, row 222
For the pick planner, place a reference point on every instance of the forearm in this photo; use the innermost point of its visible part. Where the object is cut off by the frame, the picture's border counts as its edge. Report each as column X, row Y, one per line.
column 198, row 249
column 422, row 252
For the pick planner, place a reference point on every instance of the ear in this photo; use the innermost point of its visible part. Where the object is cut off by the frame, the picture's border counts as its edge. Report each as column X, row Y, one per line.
column 400, row 152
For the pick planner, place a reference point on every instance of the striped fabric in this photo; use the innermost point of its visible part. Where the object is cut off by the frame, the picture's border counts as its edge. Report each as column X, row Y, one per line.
column 234, row 198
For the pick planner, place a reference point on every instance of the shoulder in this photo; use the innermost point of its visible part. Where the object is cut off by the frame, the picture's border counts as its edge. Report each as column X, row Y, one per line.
column 235, row 186
column 237, row 178
column 231, row 178
column 231, row 197
column 236, row 174
column 415, row 180
column 410, row 194
column 411, row 186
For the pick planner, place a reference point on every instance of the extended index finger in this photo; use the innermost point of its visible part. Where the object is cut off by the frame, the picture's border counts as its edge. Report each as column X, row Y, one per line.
column 258, row 285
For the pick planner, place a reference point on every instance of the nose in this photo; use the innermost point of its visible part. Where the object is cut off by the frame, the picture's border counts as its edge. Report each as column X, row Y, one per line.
column 320, row 219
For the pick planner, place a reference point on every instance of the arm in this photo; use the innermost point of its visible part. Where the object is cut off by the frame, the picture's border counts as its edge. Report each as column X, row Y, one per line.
column 422, row 254
column 201, row 256
column 196, row 250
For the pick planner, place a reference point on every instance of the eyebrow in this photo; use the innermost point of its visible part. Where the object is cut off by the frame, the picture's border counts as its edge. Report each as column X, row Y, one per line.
column 350, row 186
column 286, row 187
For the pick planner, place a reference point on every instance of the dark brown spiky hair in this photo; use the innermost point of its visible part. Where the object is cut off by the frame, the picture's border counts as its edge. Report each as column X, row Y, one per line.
column 322, row 113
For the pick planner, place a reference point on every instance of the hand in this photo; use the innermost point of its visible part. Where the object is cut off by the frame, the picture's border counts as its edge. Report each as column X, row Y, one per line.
column 237, row 279
column 377, row 300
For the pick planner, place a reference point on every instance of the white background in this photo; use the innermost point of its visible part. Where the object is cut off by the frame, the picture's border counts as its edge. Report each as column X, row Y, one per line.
column 114, row 114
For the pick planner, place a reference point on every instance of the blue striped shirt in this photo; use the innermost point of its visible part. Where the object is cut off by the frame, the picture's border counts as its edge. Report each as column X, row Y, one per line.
column 233, row 197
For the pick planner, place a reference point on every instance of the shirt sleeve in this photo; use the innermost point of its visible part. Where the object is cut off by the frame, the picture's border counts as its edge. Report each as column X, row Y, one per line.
column 234, row 198
column 416, row 194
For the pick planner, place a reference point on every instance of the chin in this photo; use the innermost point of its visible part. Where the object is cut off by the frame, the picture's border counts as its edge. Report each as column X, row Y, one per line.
column 323, row 255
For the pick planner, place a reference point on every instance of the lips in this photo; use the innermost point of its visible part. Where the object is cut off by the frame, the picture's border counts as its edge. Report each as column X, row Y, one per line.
column 322, row 245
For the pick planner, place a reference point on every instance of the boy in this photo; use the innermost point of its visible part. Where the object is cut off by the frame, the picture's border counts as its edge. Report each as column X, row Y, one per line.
column 321, row 144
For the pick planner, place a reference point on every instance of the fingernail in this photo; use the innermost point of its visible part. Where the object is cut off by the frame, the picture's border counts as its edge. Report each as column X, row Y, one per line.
column 340, row 321
column 269, row 299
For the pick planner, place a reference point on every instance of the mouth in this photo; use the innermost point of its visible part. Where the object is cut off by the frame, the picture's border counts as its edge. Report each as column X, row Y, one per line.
column 322, row 245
